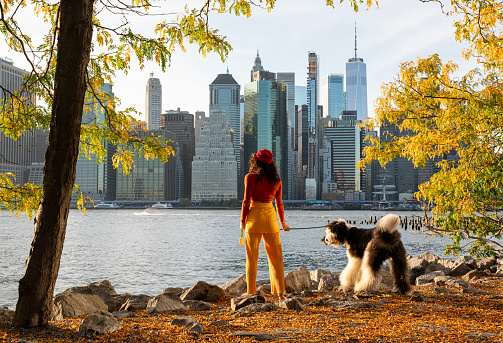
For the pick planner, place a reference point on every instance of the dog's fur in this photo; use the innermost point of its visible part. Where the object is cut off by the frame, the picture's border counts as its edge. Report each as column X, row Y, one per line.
column 367, row 249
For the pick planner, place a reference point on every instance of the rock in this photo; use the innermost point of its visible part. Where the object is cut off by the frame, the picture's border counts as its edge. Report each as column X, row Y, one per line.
column 122, row 314
column 499, row 271
column 317, row 274
column 441, row 290
column 435, row 266
column 101, row 322
column 263, row 291
column 173, row 290
column 203, row 291
column 308, row 293
column 460, row 269
column 417, row 298
column 70, row 305
column 416, row 267
column 165, row 303
column 196, row 305
column 351, row 304
column 468, row 260
column 485, row 263
column 441, row 281
column 257, row 307
column 456, row 283
column 105, row 291
column 329, row 282
column 259, row 336
column 298, row 280
column 220, row 322
column 188, row 323
column 470, row 291
column 386, row 279
column 446, row 263
column 136, row 302
column 473, row 275
column 245, row 300
column 429, row 257
column 6, row 315
column 427, row 278
column 236, row 286
column 290, row 304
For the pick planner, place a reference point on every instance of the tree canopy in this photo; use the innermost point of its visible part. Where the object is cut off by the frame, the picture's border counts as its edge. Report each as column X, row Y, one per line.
column 443, row 113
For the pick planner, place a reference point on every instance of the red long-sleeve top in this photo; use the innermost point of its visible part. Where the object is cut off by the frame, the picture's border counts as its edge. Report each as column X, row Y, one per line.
column 262, row 191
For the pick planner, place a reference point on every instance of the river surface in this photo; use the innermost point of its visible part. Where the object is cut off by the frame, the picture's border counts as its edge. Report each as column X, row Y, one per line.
column 145, row 251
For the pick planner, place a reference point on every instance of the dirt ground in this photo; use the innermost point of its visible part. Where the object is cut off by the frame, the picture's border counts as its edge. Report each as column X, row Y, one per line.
column 428, row 314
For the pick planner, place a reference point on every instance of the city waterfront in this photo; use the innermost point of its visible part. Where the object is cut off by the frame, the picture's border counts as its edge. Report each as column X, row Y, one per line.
column 145, row 251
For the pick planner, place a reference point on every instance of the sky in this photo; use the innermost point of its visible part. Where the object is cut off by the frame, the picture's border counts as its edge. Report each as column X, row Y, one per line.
column 395, row 32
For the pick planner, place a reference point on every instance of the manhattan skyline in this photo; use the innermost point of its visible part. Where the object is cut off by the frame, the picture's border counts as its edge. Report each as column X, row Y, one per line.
column 396, row 32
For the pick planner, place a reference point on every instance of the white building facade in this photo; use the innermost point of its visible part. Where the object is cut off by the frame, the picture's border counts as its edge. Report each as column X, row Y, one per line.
column 214, row 168
column 153, row 103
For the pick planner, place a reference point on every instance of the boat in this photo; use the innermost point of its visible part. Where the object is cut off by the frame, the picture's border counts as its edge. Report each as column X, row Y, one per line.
column 159, row 206
column 106, row 206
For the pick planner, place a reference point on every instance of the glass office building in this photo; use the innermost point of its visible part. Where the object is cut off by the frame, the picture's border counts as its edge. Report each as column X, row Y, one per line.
column 265, row 122
column 333, row 95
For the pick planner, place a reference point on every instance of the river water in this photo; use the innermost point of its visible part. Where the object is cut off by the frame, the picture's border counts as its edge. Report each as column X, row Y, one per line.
column 145, row 251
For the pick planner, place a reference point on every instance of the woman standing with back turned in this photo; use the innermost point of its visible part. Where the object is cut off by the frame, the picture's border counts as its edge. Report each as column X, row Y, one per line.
column 258, row 219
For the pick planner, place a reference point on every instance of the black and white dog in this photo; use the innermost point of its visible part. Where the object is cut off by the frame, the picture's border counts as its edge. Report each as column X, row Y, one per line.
column 367, row 249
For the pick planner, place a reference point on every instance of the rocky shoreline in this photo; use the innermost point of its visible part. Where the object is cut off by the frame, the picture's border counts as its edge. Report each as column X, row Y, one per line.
column 104, row 309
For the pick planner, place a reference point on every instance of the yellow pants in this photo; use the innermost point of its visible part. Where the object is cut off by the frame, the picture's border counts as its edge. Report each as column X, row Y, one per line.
column 274, row 252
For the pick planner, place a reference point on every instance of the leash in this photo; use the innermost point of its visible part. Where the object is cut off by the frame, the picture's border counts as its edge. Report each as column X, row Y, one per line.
column 241, row 240
column 305, row 228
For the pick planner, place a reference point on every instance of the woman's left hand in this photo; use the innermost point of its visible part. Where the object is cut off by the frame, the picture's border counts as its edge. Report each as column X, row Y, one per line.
column 285, row 227
column 243, row 226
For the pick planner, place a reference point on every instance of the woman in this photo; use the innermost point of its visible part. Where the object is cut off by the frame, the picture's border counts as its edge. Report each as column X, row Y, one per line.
column 258, row 219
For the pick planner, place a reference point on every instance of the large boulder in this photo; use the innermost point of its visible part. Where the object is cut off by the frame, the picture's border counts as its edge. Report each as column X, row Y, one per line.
column 460, row 269
column 165, row 303
column 236, row 286
column 329, row 281
column 317, row 274
column 105, row 291
column 298, row 280
column 429, row 257
column 136, row 302
column 70, row 305
column 245, row 300
column 204, row 292
column 467, row 260
column 485, row 263
column 427, row 278
column 6, row 315
column 188, row 323
column 98, row 323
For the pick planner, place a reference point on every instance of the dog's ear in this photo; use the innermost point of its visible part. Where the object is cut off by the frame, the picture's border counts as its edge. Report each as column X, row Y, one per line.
column 339, row 228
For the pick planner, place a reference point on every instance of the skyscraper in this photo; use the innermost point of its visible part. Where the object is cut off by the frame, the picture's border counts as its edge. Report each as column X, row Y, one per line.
column 265, row 123
column 356, row 85
column 224, row 96
column 289, row 80
column 148, row 179
column 18, row 154
column 333, row 95
column 181, row 123
column 313, row 176
column 96, row 179
column 344, row 146
column 153, row 103
column 214, row 169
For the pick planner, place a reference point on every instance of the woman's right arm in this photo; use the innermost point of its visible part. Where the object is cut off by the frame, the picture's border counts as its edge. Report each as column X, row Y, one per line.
column 245, row 208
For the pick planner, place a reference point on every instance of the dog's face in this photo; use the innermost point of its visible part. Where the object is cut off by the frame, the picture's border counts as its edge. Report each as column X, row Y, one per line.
column 335, row 233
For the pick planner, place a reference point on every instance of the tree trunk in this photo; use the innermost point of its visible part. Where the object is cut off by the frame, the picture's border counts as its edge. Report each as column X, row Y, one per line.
column 36, row 288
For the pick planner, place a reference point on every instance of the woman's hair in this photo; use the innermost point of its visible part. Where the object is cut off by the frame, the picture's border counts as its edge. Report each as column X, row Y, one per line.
column 263, row 169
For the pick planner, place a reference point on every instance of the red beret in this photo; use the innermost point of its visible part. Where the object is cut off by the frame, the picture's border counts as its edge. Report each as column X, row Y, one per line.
column 265, row 156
